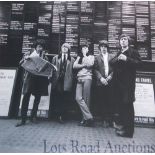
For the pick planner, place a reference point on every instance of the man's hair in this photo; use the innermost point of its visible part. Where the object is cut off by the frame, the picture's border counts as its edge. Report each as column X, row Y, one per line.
column 67, row 45
column 85, row 45
column 39, row 42
column 69, row 50
column 103, row 43
column 125, row 36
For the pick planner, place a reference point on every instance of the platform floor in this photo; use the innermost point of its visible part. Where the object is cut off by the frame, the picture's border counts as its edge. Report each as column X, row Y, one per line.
column 51, row 136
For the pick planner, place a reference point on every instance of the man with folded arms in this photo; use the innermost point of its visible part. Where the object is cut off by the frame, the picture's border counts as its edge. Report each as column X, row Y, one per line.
column 104, row 73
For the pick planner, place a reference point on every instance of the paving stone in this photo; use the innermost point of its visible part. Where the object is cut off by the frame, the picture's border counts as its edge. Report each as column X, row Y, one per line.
column 51, row 136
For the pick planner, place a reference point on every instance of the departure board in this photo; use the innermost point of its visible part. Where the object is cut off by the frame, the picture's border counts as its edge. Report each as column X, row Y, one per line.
column 86, row 24
column 87, row 7
column 72, row 25
column 44, row 22
column 72, row 30
column 30, row 25
column 15, row 37
column 56, row 18
column 77, row 22
column 152, row 21
column 114, row 25
column 142, row 28
column 128, row 19
column 17, row 13
column 100, row 27
column 5, row 11
column 72, row 6
column 58, row 26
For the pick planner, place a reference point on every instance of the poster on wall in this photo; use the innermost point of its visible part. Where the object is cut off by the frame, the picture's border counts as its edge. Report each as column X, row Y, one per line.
column 7, row 82
column 145, row 98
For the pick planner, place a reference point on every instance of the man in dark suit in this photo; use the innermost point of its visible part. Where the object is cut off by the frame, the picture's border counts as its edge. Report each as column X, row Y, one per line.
column 62, row 83
column 33, row 85
column 124, row 65
column 104, row 73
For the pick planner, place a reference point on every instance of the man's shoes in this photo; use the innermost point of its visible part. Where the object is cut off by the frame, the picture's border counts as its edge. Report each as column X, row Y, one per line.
column 106, row 124
column 82, row 123
column 60, row 120
column 33, row 119
column 89, row 123
column 123, row 133
column 117, row 127
column 21, row 123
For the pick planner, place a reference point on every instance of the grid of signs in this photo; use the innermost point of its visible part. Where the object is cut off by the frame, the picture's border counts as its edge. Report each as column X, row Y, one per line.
column 75, row 22
column 143, row 28
column 58, row 26
column 152, row 21
column 128, row 19
column 100, row 24
column 114, row 25
column 15, row 31
column 86, row 23
column 72, row 25
column 4, row 26
column 30, row 25
column 44, row 22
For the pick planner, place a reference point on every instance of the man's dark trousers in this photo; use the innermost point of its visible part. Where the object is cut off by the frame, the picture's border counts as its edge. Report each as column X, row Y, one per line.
column 104, row 98
column 25, row 104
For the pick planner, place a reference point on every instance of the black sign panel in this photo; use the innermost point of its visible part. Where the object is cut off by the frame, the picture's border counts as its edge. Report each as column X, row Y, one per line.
column 30, row 25
column 152, row 21
column 5, row 12
column 17, row 14
column 86, row 23
column 87, row 7
column 142, row 28
column 100, row 24
column 128, row 19
column 73, row 6
column 114, row 25
column 58, row 26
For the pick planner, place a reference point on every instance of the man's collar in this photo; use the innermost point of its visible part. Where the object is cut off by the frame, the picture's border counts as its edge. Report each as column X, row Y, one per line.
column 65, row 54
column 68, row 56
column 105, row 54
column 37, row 52
column 125, row 49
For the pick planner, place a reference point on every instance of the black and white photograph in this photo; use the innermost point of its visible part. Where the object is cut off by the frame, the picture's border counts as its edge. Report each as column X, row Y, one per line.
column 77, row 76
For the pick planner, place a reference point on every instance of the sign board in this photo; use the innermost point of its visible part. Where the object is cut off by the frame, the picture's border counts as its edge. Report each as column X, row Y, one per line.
column 145, row 98
column 7, row 80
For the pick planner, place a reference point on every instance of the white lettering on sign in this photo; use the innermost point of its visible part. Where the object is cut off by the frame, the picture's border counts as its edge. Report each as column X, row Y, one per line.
column 145, row 103
column 143, row 80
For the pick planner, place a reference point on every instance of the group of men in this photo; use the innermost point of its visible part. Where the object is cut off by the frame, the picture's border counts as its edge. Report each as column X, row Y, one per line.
column 114, row 78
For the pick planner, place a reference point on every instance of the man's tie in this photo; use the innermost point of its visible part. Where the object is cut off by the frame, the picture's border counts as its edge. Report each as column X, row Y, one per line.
column 64, row 60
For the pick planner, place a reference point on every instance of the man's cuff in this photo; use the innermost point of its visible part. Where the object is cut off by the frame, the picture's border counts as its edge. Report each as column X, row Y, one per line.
column 109, row 78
